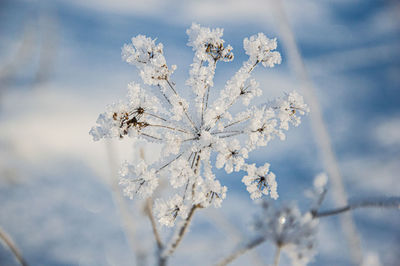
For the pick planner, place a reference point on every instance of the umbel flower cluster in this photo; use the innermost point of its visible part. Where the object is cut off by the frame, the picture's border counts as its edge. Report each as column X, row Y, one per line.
column 190, row 131
column 289, row 230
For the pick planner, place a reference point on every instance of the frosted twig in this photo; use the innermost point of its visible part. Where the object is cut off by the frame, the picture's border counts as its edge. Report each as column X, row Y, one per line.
column 171, row 128
column 241, row 250
column 233, row 233
column 165, row 165
column 181, row 232
column 389, row 202
column 184, row 109
column 277, row 255
column 237, row 122
column 149, row 213
column 320, row 199
column 384, row 202
column 148, row 209
column 10, row 244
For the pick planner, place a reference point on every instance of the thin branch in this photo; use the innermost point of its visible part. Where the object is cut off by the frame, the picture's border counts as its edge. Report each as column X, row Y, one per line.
column 10, row 244
column 252, row 68
column 150, row 136
column 233, row 233
column 236, row 122
column 165, row 96
column 385, row 202
column 277, row 255
column 184, row 109
column 156, row 116
column 230, row 131
column 165, row 165
column 171, row 128
column 208, row 90
column 194, row 159
column 172, row 87
column 149, row 213
column 237, row 96
column 231, row 135
column 208, row 95
column 241, row 250
column 202, row 103
column 391, row 202
column 182, row 231
column 185, row 140
column 317, row 205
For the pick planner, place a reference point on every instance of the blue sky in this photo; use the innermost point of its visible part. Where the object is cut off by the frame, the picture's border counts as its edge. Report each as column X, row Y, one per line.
column 55, row 196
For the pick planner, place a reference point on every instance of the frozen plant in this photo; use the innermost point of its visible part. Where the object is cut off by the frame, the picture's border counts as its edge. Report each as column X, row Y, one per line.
column 190, row 136
column 294, row 232
column 289, row 230
column 191, row 130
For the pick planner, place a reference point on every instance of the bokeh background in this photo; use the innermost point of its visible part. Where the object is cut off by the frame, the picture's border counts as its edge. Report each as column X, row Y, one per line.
column 60, row 66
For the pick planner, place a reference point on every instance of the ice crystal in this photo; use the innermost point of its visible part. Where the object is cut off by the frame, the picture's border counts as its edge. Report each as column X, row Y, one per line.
column 168, row 211
column 192, row 130
column 260, row 181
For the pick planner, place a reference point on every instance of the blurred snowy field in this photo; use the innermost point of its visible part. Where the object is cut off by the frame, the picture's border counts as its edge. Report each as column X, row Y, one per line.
column 60, row 66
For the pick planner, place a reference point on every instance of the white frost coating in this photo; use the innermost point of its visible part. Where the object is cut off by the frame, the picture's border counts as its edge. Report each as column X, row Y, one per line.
column 209, row 192
column 168, row 211
column 259, row 48
column 180, row 173
column 260, row 181
column 138, row 179
column 191, row 130
column 231, row 155
column 320, row 182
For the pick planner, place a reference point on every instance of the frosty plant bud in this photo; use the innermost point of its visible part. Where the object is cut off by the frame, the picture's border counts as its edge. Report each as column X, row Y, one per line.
column 191, row 130
column 290, row 230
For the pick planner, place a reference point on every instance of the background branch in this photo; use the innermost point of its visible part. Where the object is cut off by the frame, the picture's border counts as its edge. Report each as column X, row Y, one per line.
column 241, row 250
column 181, row 232
column 387, row 202
column 10, row 244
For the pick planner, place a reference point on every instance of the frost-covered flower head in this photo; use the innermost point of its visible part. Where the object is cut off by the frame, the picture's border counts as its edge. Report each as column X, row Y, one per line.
column 191, row 130
column 260, row 181
column 288, row 229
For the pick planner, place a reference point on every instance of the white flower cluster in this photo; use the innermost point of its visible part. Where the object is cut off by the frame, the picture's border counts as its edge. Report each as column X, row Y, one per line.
column 259, row 181
column 191, row 131
column 289, row 230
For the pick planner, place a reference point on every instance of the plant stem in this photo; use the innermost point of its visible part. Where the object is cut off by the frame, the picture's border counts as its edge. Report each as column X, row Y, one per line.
column 277, row 255
column 8, row 241
column 181, row 232
column 153, row 223
column 184, row 109
column 162, row 261
column 390, row 202
column 241, row 250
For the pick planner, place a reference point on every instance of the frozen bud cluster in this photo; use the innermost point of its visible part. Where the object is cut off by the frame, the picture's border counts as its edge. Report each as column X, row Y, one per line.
column 192, row 130
column 320, row 182
column 260, row 49
column 168, row 211
column 260, row 181
column 288, row 229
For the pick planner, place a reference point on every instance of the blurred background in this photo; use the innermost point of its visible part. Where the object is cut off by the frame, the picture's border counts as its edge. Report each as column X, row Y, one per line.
column 60, row 66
